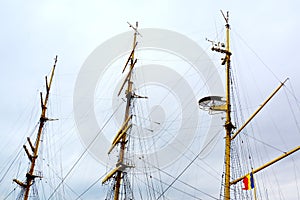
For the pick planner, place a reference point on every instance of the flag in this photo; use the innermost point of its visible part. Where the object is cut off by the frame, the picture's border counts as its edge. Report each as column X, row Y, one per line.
column 248, row 182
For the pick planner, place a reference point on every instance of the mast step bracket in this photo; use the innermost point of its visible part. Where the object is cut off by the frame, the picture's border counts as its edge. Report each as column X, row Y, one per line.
column 20, row 183
column 229, row 125
column 31, row 176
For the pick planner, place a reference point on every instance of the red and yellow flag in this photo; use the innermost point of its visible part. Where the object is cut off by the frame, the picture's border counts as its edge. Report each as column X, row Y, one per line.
column 248, row 182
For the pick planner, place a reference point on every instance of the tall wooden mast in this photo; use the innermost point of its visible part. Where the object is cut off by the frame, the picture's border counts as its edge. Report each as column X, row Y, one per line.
column 228, row 123
column 216, row 103
column 227, row 108
column 117, row 174
column 30, row 176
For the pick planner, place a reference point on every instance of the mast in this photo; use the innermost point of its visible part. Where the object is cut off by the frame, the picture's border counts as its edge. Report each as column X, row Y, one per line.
column 216, row 103
column 30, row 176
column 118, row 175
column 228, row 123
column 227, row 108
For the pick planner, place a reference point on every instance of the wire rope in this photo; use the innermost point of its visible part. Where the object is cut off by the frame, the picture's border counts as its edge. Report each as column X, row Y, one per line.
column 84, row 152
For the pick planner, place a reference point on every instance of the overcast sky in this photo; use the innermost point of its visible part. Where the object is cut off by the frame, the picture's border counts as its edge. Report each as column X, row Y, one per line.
column 33, row 32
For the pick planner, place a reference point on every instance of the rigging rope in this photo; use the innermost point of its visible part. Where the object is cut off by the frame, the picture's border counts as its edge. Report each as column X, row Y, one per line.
column 10, row 193
column 176, row 178
column 86, row 190
column 180, row 190
column 84, row 152
column 259, row 58
column 292, row 110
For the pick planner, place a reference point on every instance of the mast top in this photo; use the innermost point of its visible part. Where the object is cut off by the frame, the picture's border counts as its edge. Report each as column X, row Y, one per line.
column 135, row 28
column 226, row 18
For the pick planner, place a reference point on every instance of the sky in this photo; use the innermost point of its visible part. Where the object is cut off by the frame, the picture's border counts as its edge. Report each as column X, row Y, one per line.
column 265, row 52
